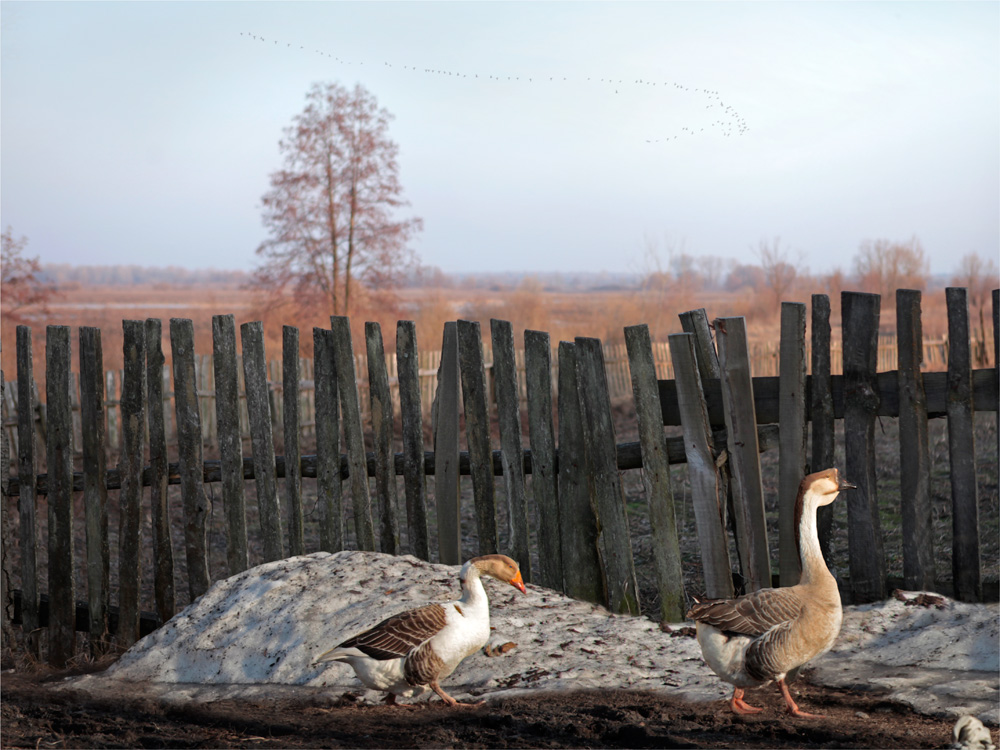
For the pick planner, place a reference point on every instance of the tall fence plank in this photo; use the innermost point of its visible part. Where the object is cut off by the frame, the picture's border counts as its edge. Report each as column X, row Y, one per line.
column 511, row 452
column 860, row 316
column 583, row 570
column 821, row 411
column 966, row 564
column 914, row 453
column 477, row 428
column 27, row 406
column 6, row 592
column 381, row 411
column 741, row 427
column 262, row 439
column 347, row 386
column 59, row 454
column 605, row 482
column 328, row 480
column 190, row 457
column 544, row 489
column 163, row 551
column 996, row 358
column 792, row 434
column 130, row 465
column 708, row 484
column 290, row 429
column 414, row 487
column 446, row 450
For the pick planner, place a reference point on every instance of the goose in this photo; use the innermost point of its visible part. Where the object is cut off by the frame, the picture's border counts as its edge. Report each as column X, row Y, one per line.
column 766, row 635
column 407, row 653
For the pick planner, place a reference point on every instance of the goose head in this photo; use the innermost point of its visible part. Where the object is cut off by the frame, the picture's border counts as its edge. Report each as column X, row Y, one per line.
column 824, row 486
column 500, row 567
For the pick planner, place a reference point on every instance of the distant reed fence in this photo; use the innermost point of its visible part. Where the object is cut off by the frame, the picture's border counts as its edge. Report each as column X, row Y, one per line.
column 575, row 506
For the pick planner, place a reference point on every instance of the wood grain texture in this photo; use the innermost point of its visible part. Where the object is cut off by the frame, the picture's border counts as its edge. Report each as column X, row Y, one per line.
column 26, row 490
column 446, row 450
column 164, row 592
column 818, row 386
column 792, row 434
column 290, row 424
column 415, row 492
column 329, row 498
column 381, row 414
column 133, row 411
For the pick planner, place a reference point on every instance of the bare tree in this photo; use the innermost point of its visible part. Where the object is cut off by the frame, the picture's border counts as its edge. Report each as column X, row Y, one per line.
column 779, row 271
column 21, row 285
column 331, row 210
column 883, row 266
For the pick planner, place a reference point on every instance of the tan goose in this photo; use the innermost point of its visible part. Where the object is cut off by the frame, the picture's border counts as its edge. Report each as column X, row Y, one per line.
column 408, row 652
column 766, row 635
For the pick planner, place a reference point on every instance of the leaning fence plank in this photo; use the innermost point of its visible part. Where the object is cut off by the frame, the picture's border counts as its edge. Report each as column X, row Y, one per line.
column 408, row 374
column 227, row 410
column 290, row 426
column 328, row 481
column 189, row 455
column 860, row 316
column 381, row 414
column 605, row 482
column 262, row 439
column 821, row 410
column 583, row 572
column 26, row 402
column 966, row 563
column 696, row 322
column 538, row 382
column 350, row 405
column 914, row 454
column 130, row 466
column 511, row 451
column 792, row 434
column 6, row 593
column 741, row 426
column 59, row 454
column 708, row 484
column 656, row 474
column 163, row 550
column 95, row 492
column 446, row 450
column 477, row 427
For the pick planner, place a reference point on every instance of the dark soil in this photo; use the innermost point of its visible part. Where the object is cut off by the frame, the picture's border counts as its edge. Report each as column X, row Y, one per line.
column 36, row 715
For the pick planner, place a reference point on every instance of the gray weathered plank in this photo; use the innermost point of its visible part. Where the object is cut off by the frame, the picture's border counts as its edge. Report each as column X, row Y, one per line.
column 996, row 359
column 6, row 593
column 414, row 486
column 793, row 431
column 446, row 450
column 696, row 323
column 290, row 426
column 656, row 474
column 605, row 482
column 230, row 441
column 583, row 570
column 860, row 316
column 190, row 457
column 741, row 426
column 350, row 405
column 708, row 483
column 26, row 404
column 914, row 453
column 821, row 411
column 262, row 439
column 133, row 406
column 164, row 593
column 381, row 413
column 59, row 454
column 509, row 418
column 544, row 489
column 328, row 476
column 477, row 429
column 966, row 562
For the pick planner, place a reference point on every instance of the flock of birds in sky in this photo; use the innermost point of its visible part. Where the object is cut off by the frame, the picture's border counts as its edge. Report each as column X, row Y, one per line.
column 729, row 123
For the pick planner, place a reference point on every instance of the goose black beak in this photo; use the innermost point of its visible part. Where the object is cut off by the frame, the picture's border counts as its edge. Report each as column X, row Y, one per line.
column 845, row 485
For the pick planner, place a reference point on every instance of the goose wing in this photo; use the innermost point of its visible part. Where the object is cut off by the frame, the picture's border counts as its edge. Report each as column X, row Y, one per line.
column 753, row 614
column 398, row 635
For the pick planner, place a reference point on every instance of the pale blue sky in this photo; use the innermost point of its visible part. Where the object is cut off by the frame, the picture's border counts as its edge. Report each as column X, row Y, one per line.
column 145, row 132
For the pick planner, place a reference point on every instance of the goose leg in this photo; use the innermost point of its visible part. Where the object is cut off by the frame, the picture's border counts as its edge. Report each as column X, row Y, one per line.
column 740, row 706
column 793, row 708
column 448, row 699
column 390, row 700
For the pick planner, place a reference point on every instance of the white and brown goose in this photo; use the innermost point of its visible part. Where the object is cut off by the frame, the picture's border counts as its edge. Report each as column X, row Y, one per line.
column 766, row 635
column 409, row 652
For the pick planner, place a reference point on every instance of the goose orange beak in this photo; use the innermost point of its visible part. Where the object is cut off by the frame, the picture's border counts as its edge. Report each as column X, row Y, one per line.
column 518, row 582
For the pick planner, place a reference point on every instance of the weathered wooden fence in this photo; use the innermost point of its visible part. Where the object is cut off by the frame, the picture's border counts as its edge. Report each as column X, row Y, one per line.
column 576, row 504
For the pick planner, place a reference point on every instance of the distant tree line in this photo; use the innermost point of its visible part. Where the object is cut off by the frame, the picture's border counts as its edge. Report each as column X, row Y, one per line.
column 63, row 274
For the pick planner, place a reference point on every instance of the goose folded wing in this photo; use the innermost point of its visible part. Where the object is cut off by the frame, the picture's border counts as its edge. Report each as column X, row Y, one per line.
column 398, row 635
column 753, row 614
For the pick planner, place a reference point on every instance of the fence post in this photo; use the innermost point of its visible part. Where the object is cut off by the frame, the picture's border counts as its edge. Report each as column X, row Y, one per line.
column 821, row 411
column 328, row 476
column 511, row 451
column 290, row 426
column 605, row 482
column 130, row 467
column 227, row 411
column 966, row 562
column 408, row 376
column 914, row 455
column 163, row 552
column 656, row 473
column 860, row 320
column 996, row 356
column 26, row 402
column 708, row 485
column 446, row 453
column 347, row 386
column 6, row 593
column 59, row 453
column 477, row 428
column 544, row 489
column 189, row 452
column 791, row 434
column 385, row 468
column 583, row 571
